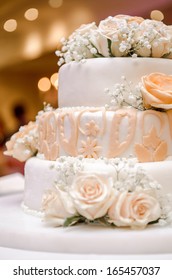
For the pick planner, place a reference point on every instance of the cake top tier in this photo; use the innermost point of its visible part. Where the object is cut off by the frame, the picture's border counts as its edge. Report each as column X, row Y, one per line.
column 117, row 36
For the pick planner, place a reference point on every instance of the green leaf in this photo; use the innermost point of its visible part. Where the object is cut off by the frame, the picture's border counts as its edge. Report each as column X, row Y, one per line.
column 103, row 221
column 73, row 220
column 109, row 47
column 153, row 222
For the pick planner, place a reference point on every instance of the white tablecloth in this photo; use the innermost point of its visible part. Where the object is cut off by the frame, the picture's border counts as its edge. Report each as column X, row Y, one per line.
column 16, row 254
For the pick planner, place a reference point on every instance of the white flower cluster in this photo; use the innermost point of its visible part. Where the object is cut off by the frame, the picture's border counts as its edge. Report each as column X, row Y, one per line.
column 120, row 35
column 78, row 46
column 23, row 144
column 125, row 94
column 119, row 193
column 154, row 39
column 166, row 216
column 66, row 170
column 130, row 176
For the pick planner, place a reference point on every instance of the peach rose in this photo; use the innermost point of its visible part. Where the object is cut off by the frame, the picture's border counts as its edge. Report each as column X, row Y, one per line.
column 169, row 31
column 161, row 47
column 57, row 206
column 112, row 26
column 118, row 30
column 152, row 39
column 79, row 41
column 100, row 42
column 111, row 29
column 23, row 144
column 134, row 209
column 84, row 28
column 131, row 19
column 92, row 194
column 156, row 90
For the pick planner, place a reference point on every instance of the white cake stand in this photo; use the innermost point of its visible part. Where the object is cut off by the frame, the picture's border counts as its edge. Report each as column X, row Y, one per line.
column 22, row 231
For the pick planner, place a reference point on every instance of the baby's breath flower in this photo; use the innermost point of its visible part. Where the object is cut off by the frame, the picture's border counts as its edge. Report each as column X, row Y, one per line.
column 125, row 94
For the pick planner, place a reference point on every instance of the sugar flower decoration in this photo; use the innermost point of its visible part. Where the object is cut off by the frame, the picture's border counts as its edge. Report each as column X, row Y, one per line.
column 90, row 148
column 92, row 128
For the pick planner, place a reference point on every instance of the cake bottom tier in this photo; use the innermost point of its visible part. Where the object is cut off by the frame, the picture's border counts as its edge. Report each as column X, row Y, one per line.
column 82, row 241
column 41, row 175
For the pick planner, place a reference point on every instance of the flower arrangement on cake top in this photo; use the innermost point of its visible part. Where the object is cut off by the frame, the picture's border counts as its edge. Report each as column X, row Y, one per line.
column 118, row 36
column 126, row 36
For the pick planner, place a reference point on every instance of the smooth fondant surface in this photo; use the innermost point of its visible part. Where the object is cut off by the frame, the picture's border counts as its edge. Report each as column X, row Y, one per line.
column 83, row 83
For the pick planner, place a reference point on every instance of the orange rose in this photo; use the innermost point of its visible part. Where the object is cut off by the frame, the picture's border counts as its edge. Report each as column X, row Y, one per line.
column 157, row 91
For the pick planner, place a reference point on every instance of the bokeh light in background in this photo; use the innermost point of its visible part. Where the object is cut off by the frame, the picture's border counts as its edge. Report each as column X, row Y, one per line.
column 44, row 84
column 55, row 3
column 56, row 31
column 54, row 80
column 80, row 15
column 10, row 25
column 33, row 46
column 31, row 14
column 48, row 90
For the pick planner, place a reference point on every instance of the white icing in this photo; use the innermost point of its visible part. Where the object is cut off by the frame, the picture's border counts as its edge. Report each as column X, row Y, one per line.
column 32, row 212
column 40, row 176
column 83, row 84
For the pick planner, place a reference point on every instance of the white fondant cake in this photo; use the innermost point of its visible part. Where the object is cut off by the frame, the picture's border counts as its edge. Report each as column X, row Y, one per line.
column 41, row 174
column 83, row 83
column 105, row 155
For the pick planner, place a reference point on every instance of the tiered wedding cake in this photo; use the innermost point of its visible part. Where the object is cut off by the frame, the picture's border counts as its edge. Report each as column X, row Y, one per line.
column 105, row 154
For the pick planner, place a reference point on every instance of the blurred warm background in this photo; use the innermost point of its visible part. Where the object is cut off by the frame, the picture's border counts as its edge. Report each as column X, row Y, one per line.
column 30, row 32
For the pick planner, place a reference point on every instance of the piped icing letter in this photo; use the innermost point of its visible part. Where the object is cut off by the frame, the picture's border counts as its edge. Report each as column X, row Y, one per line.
column 68, row 142
column 116, row 148
column 48, row 145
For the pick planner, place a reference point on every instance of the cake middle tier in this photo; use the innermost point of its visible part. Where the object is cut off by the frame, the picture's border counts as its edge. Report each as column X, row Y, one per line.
column 97, row 132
